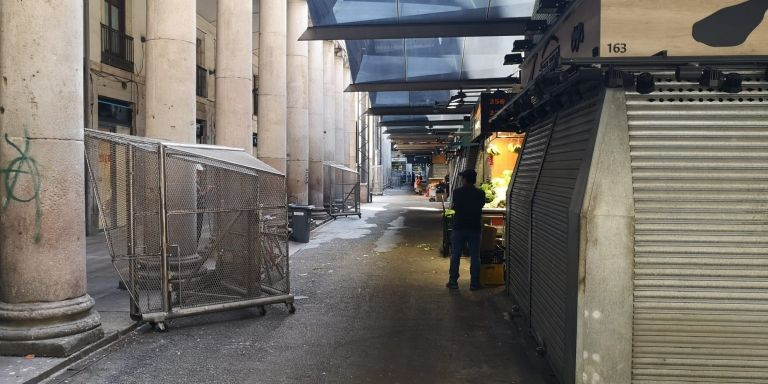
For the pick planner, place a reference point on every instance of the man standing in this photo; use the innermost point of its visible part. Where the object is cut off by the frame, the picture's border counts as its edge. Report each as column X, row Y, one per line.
column 468, row 204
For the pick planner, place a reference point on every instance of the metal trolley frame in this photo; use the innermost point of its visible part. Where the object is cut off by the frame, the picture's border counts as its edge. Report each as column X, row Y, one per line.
column 191, row 229
column 342, row 190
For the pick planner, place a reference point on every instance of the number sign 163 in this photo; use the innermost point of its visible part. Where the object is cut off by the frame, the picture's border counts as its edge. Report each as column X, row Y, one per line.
column 617, row 47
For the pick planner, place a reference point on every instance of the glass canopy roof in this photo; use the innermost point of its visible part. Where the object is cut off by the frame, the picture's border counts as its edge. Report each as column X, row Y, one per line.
column 433, row 59
column 422, row 59
column 414, row 98
column 429, row 59
column 338, row 12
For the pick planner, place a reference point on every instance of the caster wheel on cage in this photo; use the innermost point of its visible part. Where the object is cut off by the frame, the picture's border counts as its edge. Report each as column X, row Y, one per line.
column 159, row 327
column 262, row 310
column 291, row 308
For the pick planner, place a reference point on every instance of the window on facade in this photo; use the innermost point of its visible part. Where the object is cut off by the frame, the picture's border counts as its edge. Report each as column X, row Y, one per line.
column 200, row 51
column 200, row 131
column 115, row 115
column 202, row 73
column 114, row 14
column 116, row 45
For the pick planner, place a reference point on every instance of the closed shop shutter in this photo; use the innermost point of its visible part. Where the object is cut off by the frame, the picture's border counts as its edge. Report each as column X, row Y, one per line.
column 700, row 176
column 472, row 156
column 519, row 199
column 554, row 249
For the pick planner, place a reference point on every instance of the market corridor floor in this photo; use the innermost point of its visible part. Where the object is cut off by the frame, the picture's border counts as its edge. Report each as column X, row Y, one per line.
column 371, row 308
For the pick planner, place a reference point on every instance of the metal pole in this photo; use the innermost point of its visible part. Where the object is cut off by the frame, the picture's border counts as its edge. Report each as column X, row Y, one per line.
column 164, row 278
column 182, row 312
column 90, row 229
column 253, row 245
column 132, row 286
column 259, row 254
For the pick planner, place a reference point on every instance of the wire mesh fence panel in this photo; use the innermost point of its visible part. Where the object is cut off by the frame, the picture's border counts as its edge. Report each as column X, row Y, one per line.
column 273, row 234
column 190, row 226
column 342, row 190
column 129, row 209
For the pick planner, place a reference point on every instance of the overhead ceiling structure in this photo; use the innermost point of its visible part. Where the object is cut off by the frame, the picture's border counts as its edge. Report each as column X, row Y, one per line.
column 421, row 59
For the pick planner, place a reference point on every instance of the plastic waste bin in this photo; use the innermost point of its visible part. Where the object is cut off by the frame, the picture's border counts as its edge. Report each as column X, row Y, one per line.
column 301, row 222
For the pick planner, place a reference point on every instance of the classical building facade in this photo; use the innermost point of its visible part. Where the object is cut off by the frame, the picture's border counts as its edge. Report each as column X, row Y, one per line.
column 180, row 70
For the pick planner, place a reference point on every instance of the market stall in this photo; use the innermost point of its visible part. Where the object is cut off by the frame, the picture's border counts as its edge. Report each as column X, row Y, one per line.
column 494, row 155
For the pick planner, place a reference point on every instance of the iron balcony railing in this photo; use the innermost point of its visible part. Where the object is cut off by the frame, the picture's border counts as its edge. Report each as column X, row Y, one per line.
column 116, row 48
column 202, row 82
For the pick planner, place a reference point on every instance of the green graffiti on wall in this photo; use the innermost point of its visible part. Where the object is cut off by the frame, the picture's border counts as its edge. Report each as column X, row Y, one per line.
column 20, row 167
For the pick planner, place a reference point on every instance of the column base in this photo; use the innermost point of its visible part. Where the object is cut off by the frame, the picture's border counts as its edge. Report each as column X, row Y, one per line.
column 55, row 329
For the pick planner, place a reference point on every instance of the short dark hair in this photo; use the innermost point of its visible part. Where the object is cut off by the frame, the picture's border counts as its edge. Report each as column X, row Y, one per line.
column 470, row 175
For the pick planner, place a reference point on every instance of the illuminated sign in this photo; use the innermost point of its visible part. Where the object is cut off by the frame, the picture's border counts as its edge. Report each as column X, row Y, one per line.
column 488, row 106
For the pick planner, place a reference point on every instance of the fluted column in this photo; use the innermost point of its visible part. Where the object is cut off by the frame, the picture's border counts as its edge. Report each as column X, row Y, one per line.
column 316, row 123
column 339, row 96
column 172, row 103
column 298, row 105
column 234, row 74
column 350, row 122
column 44, row 307
column 329, row 86
column 170, row 62
column 272, row 118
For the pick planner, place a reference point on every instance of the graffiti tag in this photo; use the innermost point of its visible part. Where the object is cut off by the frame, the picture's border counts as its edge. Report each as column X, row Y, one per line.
column 20, row 167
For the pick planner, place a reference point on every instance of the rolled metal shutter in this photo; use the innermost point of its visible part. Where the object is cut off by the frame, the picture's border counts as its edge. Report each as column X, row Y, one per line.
column 519, row 198
column 472, row 156
column 554, row 250
column 700, row 175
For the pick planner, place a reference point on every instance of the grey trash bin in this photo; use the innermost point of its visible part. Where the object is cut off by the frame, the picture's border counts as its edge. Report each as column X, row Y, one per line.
column 301, row 222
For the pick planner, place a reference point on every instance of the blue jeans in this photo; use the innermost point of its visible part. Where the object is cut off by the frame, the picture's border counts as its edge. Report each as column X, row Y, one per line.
column 471, row 237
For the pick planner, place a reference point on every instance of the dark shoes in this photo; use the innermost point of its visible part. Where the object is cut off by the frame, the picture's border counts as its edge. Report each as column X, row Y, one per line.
column 473, row 287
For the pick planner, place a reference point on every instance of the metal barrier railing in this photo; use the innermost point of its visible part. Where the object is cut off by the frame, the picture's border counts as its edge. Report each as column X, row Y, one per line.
column 342, row 190
column 116, row 48
column 190, row 228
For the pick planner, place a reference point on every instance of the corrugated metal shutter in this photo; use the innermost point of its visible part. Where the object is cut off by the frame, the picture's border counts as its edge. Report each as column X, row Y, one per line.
column 519, row 199
column 700, row 175
column 465, row 161
column 554, row 253
column 472, row 156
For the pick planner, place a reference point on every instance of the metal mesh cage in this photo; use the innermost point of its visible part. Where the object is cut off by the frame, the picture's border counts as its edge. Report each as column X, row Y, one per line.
column 342, row 190
column 190, row 228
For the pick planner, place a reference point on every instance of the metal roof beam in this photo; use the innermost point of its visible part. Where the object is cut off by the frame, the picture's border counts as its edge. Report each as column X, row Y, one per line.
column 395, row 111
column 502, row 82
column 422, row 123
column 516, row 26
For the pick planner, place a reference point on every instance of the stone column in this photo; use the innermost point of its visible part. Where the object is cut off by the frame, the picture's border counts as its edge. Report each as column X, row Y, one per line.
column 170, row 62
column 298, row 104
column 316, row 123
column 272, row 83
column 234, row 74
column 350, row 122
column 44, row 307
column 171, row 104
column 329, row 86
column 339, row 95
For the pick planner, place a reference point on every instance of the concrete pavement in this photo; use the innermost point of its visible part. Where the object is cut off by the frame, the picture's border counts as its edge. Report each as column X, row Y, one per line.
column 372, row 308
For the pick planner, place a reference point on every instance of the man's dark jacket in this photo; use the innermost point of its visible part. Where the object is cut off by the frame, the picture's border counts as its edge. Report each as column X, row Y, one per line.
column 468, row 203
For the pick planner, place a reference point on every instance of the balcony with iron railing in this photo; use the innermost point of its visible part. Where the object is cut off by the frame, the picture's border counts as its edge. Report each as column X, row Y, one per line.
column 116, row 48
column 202, row 82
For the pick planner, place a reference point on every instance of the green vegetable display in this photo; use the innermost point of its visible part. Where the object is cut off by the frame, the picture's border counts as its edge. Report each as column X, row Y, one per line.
column 496, row 190
column 490, row 193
